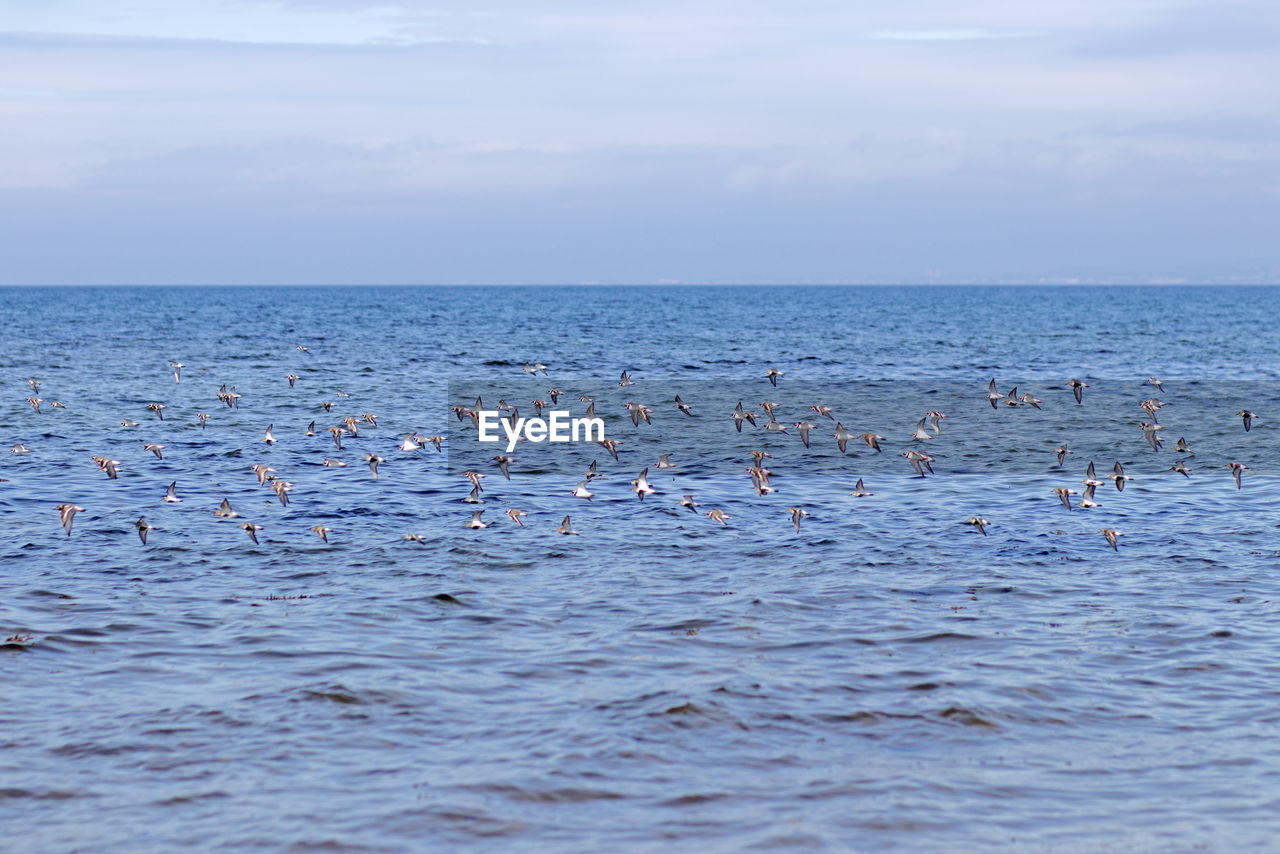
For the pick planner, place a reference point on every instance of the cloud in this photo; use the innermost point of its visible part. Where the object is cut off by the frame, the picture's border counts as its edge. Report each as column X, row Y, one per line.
column 963, row 34
column 704, row 118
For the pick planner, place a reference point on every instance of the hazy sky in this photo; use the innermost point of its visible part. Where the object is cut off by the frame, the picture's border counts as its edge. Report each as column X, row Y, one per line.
column 927, row 140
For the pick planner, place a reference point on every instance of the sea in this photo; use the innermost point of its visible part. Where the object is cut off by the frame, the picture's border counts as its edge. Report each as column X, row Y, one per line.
column 890, row 676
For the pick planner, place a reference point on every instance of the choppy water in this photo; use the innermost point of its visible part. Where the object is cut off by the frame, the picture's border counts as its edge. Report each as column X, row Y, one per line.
column 886, row 679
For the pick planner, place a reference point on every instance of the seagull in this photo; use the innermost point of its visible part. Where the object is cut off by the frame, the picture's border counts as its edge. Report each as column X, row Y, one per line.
column 1119, row 477
column 373, row 460
column 252, row 530
column 1077, row 389
column 153, row 448
column 773, row 375
column 873, row 440
column 796, row 515
column 1237, row 469
column 842, row 436
column 321, row 531
column 1243, row 413
column 143, row 527
column 565, row 527
column 169, row 495
column 682, row 406
column 688, row 503
column 641, row 484
column 1062, row 451
column 979, row 523
column 68, row 512
column 1111, row 534
column 1181, row 468
column 515, row 515
column 225, row 512
column 503, row 461
column 475, row 522
column 269, row 439
column 718, row 515
column 860, row 491
column 1063, row 493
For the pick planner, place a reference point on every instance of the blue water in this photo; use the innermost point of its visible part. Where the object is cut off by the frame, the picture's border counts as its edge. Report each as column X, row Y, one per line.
column 885, row 679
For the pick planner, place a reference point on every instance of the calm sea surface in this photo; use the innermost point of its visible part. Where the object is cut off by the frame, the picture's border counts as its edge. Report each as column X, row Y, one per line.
column 887, row 678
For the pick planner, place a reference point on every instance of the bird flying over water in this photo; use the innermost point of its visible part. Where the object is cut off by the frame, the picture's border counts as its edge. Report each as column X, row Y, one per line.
column 68, row 513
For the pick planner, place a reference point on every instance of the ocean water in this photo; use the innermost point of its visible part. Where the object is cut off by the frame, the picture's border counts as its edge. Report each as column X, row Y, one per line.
column 887, row 678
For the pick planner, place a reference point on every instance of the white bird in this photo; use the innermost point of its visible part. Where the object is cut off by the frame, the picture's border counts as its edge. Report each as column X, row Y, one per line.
column 169, row 495
column 641, row 485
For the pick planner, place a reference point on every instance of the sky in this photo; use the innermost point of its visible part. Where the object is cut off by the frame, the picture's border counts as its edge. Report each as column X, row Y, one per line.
column 341, row 141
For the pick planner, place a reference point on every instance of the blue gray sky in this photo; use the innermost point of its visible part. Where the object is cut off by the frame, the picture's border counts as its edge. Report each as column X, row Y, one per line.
column 340, row 141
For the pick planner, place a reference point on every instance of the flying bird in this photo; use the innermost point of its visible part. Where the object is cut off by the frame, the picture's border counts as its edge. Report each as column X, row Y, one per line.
column 68, row 512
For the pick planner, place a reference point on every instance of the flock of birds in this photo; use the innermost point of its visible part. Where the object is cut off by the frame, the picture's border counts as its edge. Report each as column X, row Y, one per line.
column 927, row 428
